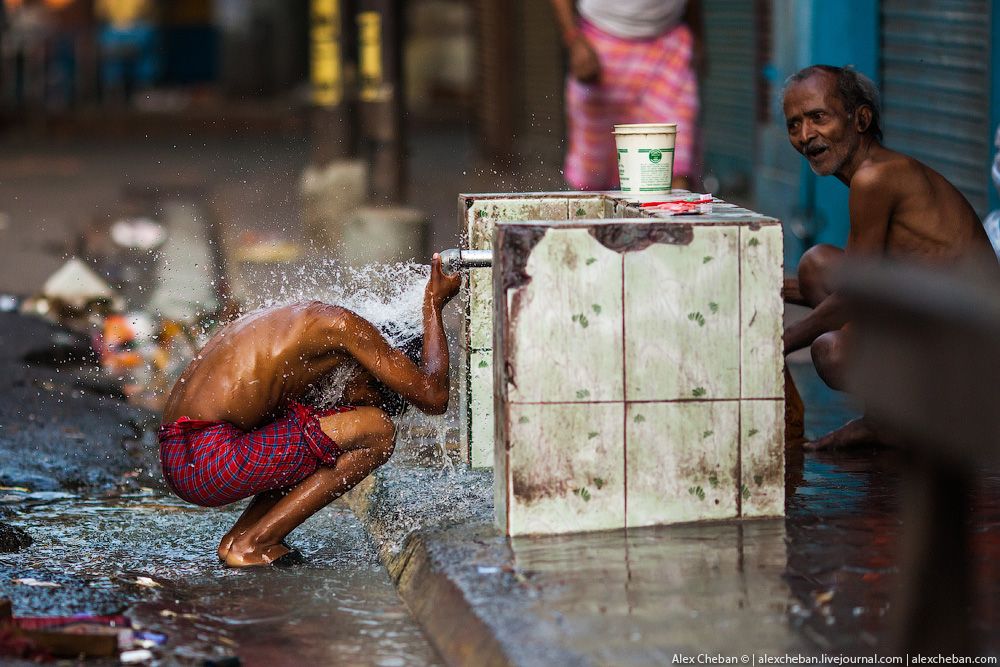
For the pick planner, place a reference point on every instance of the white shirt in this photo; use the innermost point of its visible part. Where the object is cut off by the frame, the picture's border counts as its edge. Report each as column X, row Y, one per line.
column 633, row 19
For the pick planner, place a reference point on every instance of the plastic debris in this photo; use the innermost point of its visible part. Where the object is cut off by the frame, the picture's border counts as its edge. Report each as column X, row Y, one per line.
column 28, row 581
column 148, row 639
column 824, row 597
column 76, row 285
column 9, row 303
column 147, row 582
column 135, row 656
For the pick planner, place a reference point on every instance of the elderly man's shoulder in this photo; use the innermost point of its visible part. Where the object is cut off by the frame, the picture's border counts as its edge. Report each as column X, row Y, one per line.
column 887, row 173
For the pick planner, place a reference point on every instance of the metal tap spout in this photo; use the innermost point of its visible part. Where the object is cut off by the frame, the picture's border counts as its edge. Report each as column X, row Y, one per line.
column 456, row 259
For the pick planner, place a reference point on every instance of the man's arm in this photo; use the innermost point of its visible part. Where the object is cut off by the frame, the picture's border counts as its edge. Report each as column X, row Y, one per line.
column 425, row 387
column 583, row 62
column 870, row 205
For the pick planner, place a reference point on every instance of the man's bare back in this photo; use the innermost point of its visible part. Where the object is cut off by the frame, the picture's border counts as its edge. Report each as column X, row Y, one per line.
column 928, row 219
column 255, row 365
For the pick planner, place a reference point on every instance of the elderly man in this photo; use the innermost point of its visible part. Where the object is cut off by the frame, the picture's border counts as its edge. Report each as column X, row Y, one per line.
column 899, row 208
column 235, row 425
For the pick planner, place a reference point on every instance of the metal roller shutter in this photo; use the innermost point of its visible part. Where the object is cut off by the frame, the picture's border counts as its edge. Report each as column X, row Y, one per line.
column 936, row 87
column 728, row 93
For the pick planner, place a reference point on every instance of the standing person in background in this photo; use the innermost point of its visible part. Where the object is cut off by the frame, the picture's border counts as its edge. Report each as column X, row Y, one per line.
column 630, row 61
column 129, row 42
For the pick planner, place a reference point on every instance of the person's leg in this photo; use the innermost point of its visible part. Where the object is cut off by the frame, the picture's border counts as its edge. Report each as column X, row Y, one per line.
column 852, row 434
column 366, row 436
column 816, row 268
column 830, row 359
column 257, row 508
column 591, row 161
column 810, row 287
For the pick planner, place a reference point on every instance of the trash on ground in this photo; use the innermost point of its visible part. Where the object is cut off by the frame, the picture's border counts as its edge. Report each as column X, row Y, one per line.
column 74, row 636
column 9, row 303
column 29, row 581
column 76, row 285
column 135, row 656
column 147, row 582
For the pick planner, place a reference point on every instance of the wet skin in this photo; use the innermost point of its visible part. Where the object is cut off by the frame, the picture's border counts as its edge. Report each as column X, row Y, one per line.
column 899, row 208
column 249, row 371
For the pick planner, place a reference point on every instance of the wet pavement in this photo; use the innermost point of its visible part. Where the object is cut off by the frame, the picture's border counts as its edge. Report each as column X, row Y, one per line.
column 822, row 580
column 81, row 494
column 153, row 556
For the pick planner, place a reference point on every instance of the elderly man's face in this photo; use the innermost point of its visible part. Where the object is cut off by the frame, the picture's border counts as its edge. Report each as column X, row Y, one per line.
column 818, row 125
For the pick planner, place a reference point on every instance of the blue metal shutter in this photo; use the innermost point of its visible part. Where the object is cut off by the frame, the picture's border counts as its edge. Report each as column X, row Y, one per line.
column 936, row 88
column 728, row 93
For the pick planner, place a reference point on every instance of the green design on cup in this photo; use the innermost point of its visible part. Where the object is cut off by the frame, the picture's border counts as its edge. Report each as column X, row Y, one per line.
column 655, row 156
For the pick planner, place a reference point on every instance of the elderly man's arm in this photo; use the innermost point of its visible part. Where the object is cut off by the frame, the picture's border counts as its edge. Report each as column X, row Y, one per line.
column 870, row 205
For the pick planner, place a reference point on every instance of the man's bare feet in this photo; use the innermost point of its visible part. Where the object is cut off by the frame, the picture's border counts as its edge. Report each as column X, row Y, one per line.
column 225, row 545
column 851, row 434
column 243, row 553
column 258, row 507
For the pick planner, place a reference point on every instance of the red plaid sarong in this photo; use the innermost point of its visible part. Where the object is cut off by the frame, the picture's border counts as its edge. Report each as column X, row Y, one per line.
column 213, row 463
column 642, row 81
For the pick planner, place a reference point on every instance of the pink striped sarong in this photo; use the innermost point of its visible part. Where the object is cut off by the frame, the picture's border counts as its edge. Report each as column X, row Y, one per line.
column 642, row 81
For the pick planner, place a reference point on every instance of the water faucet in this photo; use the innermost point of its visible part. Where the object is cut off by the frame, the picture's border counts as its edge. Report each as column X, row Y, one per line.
column 456, row 259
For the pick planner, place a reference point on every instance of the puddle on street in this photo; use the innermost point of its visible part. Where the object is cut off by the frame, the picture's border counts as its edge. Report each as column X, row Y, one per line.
column 339, row 608
column 820, row 580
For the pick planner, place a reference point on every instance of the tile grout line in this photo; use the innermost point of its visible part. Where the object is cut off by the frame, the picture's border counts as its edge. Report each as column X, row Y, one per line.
column 739, row 411
column 624, row 408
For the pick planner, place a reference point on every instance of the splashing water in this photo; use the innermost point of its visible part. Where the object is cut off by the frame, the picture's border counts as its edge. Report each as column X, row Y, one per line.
column 388, row 296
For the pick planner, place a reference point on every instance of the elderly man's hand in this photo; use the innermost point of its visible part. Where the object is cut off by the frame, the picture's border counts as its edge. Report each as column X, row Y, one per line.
column 442, row 287
column 583, row 62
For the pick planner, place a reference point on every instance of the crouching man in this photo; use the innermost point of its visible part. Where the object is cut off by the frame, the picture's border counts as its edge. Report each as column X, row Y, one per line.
column 899, row 208
column 235, row 425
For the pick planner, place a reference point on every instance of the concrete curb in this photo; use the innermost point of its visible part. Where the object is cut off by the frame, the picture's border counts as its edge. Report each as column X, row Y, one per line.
column 452, row 568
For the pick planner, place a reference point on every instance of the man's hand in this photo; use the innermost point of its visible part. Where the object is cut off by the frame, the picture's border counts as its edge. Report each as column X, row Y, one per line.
column 441, row 287
column 583, row 62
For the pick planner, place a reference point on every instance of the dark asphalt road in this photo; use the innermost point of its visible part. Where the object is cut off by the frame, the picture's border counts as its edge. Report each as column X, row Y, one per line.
column 61, row 427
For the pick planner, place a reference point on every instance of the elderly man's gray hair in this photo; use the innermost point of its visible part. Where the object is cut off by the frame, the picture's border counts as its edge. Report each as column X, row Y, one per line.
column 854, row 90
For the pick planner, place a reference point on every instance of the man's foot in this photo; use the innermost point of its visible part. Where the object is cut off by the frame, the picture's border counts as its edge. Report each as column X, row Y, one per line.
column 852, row 434
column 261, row 556
column 225, row 545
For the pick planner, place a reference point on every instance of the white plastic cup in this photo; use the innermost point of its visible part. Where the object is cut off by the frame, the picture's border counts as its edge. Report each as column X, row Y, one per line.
column 646, row 157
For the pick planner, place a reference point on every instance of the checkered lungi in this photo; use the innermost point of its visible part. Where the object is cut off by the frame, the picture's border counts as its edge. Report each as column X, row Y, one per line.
column 212, row 463
column 642, row 81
